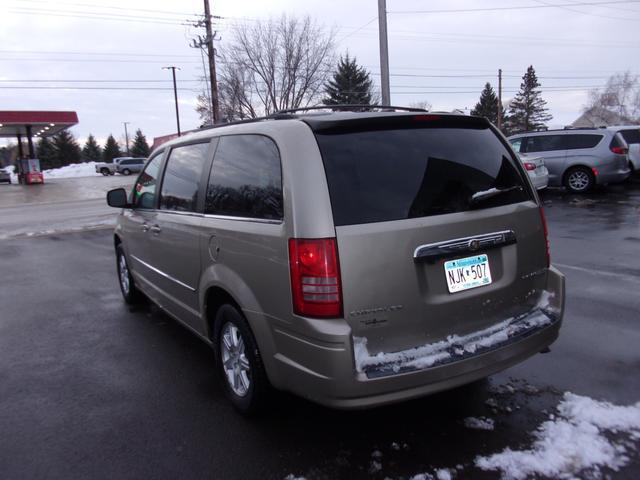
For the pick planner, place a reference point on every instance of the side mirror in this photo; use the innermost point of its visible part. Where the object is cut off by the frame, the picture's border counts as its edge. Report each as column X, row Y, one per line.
column 117, row 198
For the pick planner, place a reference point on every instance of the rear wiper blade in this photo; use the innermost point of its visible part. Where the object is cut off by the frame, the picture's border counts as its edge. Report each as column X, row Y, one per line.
column 492, row 192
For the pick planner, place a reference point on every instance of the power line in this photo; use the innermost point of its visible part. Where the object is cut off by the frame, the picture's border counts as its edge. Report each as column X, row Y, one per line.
column 90, row 16
column 510, row 7
column 110, row 7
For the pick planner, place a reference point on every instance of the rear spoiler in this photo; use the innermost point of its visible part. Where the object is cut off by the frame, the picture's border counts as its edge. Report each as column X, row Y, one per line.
column 393, row 121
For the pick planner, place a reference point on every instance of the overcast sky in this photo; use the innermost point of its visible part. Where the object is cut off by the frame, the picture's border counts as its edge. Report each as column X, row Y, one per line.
column 440, row 51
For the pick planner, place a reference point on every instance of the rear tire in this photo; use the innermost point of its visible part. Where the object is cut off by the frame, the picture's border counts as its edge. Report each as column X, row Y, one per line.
column 579, row 180
column 128, row 288
column 104, row 171
column 238, row 362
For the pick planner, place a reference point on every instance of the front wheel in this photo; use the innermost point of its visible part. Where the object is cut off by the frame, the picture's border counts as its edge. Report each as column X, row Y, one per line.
column 126, row 171
column 128, row 288
column 579, row 180
column 104, row 171
column 238, row 361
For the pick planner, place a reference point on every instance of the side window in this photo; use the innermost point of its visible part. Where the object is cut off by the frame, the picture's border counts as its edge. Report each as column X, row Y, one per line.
column 546, row 143
column 181, row 180
column 583, row 141
column 246, row 178
column 516, row 143
column 144, row 191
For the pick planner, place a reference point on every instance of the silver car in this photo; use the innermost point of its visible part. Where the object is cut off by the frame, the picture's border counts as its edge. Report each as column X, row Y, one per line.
column 578, row 159
column 631, row 135
column 127, row 166
column 5, row 176
column 355, row 259
column 535, row 167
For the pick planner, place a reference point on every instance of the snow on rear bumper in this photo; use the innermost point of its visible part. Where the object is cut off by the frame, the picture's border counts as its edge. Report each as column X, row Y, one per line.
column 454, row 348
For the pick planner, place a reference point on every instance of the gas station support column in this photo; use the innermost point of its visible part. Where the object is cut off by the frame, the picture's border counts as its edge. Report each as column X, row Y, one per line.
column 32, row 153
column 20, row 150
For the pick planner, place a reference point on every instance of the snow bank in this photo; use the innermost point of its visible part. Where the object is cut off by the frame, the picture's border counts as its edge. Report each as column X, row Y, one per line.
column 572, row 443
column 69, row 171
column 453, row 346
column 87, row 169
column 481, row 423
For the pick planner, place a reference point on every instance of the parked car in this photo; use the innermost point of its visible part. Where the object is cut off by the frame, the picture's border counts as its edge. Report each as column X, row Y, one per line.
column 631, row 135
column 127, row 166
column 111, row 168
column 5, row 177
column 578, row 159
column 355, row 259
column 536, row 169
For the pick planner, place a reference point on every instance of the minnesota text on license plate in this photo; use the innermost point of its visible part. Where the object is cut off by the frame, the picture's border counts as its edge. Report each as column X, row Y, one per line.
column 466, row 273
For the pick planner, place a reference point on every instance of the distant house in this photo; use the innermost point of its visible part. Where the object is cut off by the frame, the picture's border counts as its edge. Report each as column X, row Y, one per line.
column 599, row 117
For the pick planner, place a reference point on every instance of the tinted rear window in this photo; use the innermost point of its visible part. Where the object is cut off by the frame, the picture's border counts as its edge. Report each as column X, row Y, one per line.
column 578, row 141
column 395, row 174
column 631, row 136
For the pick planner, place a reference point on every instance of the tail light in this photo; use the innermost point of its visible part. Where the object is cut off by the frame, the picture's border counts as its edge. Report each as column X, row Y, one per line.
column 529, row 166
column 620, row 150
column 315, row 277
column 546, row 236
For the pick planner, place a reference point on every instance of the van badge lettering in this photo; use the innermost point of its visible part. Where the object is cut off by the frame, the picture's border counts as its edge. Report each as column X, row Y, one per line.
column 369, row 311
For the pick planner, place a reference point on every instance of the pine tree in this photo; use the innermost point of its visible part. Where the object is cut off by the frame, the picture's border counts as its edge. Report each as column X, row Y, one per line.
column 350, row 84
column 91, row 152
column 140, row 146
column 67, row 148
column 46, row 153
column 488, row 105
column 111, row 150
column 528, row 110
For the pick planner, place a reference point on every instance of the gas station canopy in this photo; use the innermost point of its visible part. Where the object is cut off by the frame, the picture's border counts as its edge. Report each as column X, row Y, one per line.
column 35, row 123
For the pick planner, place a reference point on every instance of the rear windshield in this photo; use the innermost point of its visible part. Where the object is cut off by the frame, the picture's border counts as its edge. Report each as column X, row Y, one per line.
column 400, row 173
column 631, row 136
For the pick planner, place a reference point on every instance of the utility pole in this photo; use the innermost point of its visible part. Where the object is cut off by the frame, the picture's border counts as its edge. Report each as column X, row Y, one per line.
column 384, row 52
column 175, row 93
column 126, row 136
column 212, row 63
column 499, row 99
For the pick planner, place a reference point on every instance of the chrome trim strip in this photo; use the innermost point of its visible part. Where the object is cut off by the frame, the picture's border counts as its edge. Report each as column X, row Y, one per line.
column 243, row 219
column 434, row 251
column 177, row 212
column 160, row 272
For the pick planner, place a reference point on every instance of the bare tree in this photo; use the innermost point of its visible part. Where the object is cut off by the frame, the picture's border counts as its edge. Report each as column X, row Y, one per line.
column 619, row 99
column 274, row 65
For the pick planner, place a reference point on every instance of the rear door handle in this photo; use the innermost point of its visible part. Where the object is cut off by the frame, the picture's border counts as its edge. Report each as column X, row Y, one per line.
column 467, row 245
column 156, row 229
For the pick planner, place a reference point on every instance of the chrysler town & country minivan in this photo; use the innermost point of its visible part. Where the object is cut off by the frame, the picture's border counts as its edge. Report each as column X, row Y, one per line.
column 353, row 258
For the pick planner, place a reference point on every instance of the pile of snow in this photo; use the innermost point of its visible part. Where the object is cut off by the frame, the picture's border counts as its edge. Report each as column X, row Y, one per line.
column 453, row 346
column 74, row 170
column 479, row 423
column 440, row 474
column 573, row 443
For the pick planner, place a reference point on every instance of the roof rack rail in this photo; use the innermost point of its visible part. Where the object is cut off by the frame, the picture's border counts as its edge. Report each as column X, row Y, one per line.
column 273, row 116
column 349, row 107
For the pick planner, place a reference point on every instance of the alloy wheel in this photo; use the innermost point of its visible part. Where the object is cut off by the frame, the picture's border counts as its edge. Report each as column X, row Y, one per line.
column 234, row 361
column 124, row 274
column 579, row 180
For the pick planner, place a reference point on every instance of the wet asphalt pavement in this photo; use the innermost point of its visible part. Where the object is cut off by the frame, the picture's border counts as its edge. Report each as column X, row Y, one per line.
column 92, row 389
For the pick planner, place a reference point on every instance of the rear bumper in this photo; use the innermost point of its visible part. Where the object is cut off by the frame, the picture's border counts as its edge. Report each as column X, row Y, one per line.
column 613, row 175
column 323, row 368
